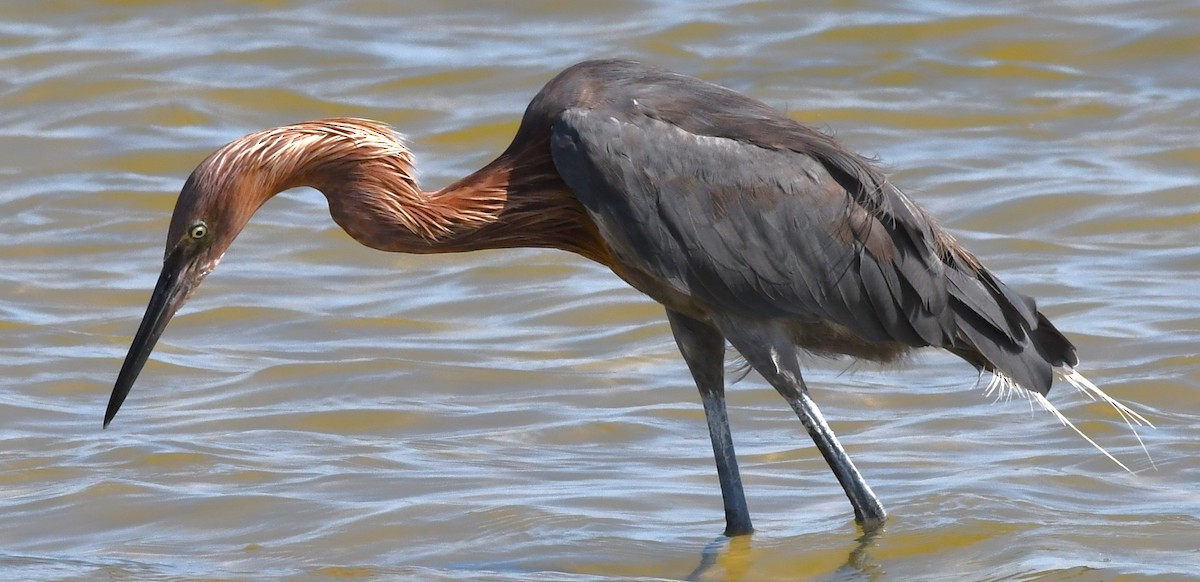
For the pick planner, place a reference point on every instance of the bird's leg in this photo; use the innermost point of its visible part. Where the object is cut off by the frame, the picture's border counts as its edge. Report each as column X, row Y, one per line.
column 769, row 350
column 703, row 348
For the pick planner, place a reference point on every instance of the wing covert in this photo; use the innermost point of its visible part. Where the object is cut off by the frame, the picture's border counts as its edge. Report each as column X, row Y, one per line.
column 759, row 231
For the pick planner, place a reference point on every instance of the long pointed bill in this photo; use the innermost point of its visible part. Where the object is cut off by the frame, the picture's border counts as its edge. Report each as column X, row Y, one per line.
column 175, row 285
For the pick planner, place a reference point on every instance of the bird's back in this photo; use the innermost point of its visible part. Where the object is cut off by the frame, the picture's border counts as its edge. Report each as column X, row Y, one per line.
column 724, row 200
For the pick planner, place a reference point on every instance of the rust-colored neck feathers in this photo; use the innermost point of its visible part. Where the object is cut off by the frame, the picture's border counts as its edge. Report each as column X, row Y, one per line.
column 367, row 174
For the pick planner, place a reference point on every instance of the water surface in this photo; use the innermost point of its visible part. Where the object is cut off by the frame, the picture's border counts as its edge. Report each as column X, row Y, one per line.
column 324, row 411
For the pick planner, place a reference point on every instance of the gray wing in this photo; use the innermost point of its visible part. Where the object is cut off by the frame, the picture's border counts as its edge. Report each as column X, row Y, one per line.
column 751, row 230
column 775, row 232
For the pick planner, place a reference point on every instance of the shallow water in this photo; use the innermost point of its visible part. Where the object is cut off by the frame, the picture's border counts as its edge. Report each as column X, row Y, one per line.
column 324, row 411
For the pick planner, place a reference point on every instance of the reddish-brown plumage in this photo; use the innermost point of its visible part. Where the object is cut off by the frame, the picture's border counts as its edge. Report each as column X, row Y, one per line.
column 366, row 172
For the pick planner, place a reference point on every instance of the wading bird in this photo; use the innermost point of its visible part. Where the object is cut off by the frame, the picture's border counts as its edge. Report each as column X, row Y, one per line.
column 749, row 227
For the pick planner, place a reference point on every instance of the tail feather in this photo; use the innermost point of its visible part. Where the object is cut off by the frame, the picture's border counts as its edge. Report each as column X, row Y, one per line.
column 1000, row 354
column 1131, row 417
column 1052, row 344
column 1004, row 388
column 1024, row 363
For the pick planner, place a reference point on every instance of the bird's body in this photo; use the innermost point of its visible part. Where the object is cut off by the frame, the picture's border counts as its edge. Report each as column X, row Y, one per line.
column 718, row 204
column 748, row 226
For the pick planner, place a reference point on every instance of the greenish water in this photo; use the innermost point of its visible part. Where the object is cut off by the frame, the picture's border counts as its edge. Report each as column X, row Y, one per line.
column 324, row 411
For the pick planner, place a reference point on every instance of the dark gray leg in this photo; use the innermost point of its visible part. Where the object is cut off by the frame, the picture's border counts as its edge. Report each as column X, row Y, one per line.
column 769, row 350
column 703, row 348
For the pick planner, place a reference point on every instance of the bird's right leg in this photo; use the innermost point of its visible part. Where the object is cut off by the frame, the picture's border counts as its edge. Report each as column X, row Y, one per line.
column 703, row 348
column 768, row 349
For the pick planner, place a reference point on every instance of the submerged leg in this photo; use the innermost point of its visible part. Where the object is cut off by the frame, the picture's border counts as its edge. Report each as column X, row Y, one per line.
column 703, row 348
column 769, row 350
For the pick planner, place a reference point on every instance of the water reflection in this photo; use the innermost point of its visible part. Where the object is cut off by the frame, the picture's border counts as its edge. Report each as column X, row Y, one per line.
column 724, row 558
column 734, row 559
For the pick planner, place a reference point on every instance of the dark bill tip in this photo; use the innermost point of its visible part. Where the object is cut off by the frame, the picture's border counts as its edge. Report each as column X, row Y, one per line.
column 172, row 290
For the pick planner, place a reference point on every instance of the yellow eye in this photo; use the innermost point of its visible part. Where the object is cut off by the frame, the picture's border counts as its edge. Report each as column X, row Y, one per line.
column 198, row 230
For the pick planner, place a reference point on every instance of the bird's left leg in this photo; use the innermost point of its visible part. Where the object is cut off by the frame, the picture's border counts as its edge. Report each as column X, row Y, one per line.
column 768, row 348
column 703, row 349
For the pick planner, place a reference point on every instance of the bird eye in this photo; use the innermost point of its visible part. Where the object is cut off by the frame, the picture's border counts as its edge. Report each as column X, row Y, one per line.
column 198, row 230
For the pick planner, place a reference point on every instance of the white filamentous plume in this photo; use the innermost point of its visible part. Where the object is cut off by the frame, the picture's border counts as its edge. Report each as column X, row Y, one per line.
column 1092, row 391
column 1005, row 388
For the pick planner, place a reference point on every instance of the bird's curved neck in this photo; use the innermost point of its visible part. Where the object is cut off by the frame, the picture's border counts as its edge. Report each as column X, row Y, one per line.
column 366, row 173
column 518, row 200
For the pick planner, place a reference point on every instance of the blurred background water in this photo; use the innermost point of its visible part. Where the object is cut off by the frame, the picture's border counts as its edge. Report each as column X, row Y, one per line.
column 324, row 411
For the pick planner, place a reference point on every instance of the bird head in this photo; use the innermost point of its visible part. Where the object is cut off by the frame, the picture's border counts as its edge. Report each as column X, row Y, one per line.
column 201, row 230
column 228, row 187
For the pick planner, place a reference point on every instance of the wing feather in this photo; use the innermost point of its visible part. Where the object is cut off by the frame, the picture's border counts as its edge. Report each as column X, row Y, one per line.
column 758, row 231
column 708, row 197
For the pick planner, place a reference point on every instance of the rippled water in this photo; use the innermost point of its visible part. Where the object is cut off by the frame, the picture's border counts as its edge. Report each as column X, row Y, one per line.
column 324, row 411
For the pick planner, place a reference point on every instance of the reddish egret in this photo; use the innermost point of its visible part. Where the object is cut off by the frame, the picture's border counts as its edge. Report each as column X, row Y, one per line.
column 749, row 227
